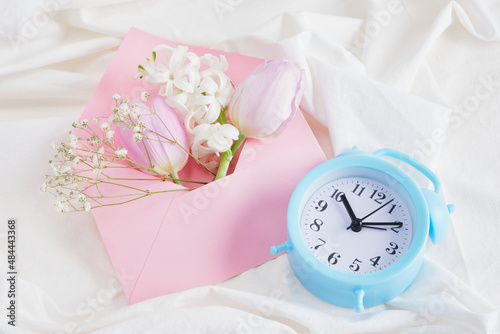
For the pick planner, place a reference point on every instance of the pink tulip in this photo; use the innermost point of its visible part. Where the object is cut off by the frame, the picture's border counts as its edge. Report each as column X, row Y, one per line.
column 267, row 99
column 154, row 150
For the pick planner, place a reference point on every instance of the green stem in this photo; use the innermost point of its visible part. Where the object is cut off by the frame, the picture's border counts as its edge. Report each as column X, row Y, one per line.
column 226, row 157
column 225, row 160
column 237, row 143
column 175, row 178
column 222, row 117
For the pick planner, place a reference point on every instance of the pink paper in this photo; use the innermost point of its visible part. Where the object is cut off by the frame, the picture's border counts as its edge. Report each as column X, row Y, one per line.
column 171, row 242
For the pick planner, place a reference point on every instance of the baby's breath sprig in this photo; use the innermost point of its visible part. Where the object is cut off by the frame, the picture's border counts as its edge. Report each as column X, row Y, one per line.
column 82, row 164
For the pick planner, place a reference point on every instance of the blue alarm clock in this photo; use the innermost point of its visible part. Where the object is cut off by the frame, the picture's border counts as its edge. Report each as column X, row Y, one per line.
column 357, row 227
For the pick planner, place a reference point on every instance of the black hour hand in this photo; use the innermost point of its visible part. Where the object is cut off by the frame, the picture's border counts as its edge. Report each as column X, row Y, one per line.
column 348, row 208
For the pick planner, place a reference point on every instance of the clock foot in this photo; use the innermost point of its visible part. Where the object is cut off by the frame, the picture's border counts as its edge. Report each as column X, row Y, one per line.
column 358, row 300
column 284, row 247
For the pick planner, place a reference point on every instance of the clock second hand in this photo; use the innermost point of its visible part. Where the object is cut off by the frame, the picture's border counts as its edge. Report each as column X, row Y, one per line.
column 371, row 213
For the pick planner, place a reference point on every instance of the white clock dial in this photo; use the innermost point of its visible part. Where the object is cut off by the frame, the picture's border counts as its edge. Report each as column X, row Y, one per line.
column 356, row 225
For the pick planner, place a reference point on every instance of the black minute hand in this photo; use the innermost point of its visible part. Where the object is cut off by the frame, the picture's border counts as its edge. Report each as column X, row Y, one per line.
column 371, row 213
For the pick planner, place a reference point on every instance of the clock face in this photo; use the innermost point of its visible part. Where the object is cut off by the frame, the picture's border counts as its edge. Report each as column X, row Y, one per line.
column 356, row 225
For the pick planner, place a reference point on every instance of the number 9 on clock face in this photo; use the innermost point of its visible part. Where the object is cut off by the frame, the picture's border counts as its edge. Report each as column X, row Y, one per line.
column 357, row 225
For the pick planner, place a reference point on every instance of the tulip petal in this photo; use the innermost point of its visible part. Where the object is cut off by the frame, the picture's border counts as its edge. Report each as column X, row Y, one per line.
column 267, row 99
column 168, row 133
column 136, row 151
column 163, row 135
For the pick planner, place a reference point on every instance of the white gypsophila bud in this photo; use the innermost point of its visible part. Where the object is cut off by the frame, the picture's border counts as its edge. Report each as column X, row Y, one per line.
column 121, row 152
column 61, row 207
column 73, row 141
column 81, row 198
column 137, row 137
column 116, row 97
column 145, row 96
column 104, row 126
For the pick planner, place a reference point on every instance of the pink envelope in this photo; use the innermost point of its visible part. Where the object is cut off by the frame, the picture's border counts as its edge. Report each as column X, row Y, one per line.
column 179, row 240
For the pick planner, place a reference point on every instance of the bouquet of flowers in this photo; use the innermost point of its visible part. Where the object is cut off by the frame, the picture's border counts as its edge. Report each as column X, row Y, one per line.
column 196, row 114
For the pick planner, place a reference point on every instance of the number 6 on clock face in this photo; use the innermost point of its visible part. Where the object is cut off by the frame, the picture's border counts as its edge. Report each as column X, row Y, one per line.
column 385, row 233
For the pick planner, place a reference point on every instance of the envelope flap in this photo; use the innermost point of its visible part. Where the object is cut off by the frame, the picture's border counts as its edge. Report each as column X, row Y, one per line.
column 129, row 231
column 216, row 232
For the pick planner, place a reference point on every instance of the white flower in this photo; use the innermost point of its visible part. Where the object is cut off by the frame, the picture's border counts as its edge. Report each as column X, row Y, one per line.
column 44, row 187
column 101, row 150
column 110, row 135
column 215, row 63
column 86, row 206
column 121, row 152
column 116, row 97
column 63, row 169
column 154, row 73
column 137, row 137
column 215, row 91
column 124, row 110
column 84, row 123
column 145, row 96
column 73, row 141
column 95, row 159
column 61, row 207
column 95, row 119
column 81, row 198
column 142, row 125
column 214, row 138
column 179, row 74
column 70, row 154
column 104, row 126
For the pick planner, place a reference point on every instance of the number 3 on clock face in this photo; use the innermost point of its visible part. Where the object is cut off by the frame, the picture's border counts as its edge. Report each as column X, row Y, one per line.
column 382, row 237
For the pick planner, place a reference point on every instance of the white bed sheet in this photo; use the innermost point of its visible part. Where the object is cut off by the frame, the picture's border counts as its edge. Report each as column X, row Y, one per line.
column 419, row 76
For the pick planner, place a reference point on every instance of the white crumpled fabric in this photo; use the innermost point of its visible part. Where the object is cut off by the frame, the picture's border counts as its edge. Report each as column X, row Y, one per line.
column 422, row 77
